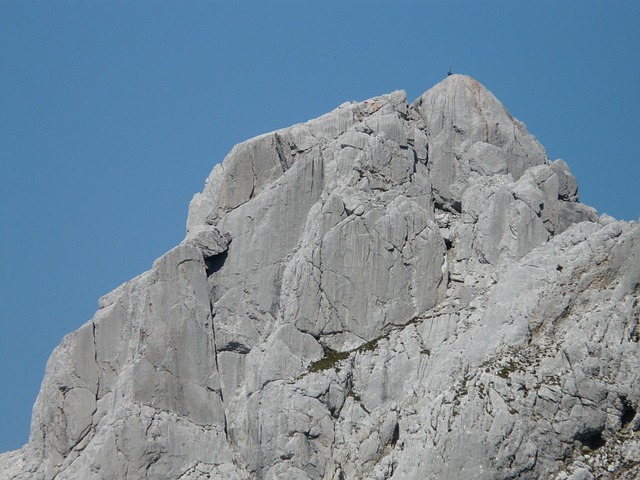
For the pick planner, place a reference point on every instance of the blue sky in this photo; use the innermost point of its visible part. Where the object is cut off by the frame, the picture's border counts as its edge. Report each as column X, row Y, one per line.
column 113, row 113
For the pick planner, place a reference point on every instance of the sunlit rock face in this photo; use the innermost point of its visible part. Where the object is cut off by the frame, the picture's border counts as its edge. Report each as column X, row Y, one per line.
column 392, row 290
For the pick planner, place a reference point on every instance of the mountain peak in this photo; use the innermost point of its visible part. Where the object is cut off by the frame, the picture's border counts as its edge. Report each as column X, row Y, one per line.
column 389, row 290
column 462, row 116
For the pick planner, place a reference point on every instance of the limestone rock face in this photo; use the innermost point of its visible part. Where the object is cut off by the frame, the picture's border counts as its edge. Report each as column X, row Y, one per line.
column 468, row 130
column 391, row 290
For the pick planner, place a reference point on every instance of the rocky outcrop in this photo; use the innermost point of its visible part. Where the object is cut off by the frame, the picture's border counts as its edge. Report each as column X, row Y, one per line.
column 392, row 290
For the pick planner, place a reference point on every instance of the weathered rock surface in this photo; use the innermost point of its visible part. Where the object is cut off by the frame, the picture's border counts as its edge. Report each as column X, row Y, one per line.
column 392, row 290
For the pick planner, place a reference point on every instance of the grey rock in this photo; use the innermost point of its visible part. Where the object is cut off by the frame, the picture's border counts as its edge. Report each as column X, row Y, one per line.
column 12, row 464
column 391, row 290
column 458, row 113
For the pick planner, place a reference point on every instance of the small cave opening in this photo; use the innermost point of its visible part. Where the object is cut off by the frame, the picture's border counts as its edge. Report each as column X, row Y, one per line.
column 215, row 263
column 448, row 244
column 628, row 412
column 592, row 439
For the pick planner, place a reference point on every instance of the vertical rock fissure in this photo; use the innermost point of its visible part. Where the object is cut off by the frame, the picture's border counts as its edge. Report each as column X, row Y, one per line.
column 95, row 359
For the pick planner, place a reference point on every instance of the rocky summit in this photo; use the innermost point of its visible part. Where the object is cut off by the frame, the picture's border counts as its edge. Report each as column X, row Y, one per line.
column 393, row 290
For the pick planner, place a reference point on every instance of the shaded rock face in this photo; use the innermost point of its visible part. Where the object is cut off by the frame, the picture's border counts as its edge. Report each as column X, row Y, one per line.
column 392, row 290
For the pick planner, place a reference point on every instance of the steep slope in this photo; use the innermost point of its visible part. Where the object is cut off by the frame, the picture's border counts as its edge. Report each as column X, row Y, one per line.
column 392, row 290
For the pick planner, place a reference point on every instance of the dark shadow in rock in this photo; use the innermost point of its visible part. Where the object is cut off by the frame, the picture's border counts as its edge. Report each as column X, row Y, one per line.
column 235, row 347
column 215, row 263
column 591, row 439
column 628, row 412
column 396, row 435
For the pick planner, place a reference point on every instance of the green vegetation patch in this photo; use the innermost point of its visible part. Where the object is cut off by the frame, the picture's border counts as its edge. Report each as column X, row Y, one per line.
column 357, row 398
column 369, row 346
column 508, row 369
column 331, row 357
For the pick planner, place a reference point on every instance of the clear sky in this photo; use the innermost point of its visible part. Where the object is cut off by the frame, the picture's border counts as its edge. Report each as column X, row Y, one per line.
column 113, row 113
